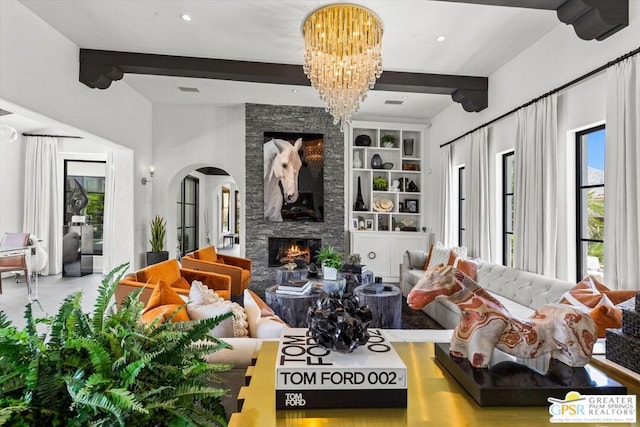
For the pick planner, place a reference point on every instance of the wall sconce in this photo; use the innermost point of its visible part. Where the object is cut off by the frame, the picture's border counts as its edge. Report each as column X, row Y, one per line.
column 152, row 172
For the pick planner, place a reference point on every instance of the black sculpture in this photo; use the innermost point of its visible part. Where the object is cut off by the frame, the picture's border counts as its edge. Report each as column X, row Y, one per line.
column 339, row 323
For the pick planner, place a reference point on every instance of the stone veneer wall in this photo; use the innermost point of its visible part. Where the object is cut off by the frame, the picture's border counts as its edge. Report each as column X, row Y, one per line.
column 279, row 118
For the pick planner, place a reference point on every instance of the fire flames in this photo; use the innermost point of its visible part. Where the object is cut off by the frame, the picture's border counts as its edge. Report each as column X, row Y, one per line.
column 292, row 253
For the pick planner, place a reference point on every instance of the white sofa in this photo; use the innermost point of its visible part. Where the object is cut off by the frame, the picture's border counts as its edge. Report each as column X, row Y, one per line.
column 521, row 292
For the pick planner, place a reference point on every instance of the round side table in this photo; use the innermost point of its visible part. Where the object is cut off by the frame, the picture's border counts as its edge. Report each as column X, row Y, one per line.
column 291, row 308
column 283, row 275
column 385, row 302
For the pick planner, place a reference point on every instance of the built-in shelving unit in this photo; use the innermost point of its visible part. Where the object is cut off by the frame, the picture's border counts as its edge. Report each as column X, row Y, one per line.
column 386, row 159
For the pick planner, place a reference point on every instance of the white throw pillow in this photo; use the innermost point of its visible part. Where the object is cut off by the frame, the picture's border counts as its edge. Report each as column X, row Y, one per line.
column 440, row 254
column 262, row 322
column 206, row 303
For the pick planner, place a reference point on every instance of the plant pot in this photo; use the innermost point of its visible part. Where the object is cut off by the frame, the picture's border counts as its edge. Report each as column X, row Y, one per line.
column 329, row 273
column 156, row 257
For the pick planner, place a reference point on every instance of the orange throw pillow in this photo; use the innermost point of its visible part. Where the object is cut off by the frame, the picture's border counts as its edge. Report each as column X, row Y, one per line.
column 164, row 295
column 206, row 254
column 606, row 317
column 426, row 263
column 181, row 283
column 467, row 266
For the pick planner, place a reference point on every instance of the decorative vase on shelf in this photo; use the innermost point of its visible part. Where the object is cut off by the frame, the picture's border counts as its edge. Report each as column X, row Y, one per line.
column 359, row 205
column 376, row 162
column 407, row 146
column 357, row 161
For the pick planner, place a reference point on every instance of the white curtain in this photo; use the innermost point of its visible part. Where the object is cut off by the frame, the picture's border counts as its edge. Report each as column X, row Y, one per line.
column 447, row 231
column 621, row 176
column 118, row 210
column 477, row 196
column 535, row 199
column 43, row 198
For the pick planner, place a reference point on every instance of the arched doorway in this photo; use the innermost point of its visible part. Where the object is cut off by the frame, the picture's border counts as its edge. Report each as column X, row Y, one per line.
column 207, row 210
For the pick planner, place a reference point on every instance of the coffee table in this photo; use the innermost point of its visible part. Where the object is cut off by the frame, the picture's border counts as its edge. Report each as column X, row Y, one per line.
column 434, row 399
column 385, row 302
column 293, row 308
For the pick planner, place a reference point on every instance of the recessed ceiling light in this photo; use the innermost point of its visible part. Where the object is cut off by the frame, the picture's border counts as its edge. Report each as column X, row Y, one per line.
column 294, row 90
column 440, row 38
column 186, row 17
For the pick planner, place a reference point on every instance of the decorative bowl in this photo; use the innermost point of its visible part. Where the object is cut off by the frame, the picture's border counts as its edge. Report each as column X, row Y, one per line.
column 387, row 165
column 363, row 141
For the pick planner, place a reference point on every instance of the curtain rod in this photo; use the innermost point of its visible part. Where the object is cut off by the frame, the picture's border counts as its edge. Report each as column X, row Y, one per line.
column 551, row 92
column 51, row 136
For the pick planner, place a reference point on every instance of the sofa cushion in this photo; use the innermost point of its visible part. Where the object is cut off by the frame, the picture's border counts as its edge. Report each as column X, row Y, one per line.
column 164, row 300
column 528, row 289
column 263, row 322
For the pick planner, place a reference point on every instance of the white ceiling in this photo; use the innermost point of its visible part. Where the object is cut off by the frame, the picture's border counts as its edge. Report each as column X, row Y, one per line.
column 480, row 39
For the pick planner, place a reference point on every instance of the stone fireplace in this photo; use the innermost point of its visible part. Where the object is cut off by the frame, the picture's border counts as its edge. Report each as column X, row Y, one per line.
column 283, row 250
column 279, row 118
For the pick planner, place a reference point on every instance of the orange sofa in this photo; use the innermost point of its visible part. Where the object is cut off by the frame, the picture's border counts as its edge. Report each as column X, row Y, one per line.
column 207, row 259
column 170, row 272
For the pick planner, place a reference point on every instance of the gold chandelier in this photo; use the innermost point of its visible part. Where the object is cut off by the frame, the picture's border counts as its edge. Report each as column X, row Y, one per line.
column 342, row 56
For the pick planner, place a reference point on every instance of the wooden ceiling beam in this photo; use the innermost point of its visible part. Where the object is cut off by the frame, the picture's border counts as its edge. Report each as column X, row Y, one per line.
column 99, row 68
column 591, row 19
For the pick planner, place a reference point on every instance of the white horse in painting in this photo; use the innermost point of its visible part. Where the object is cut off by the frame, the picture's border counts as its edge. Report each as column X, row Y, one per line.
column 281, row 165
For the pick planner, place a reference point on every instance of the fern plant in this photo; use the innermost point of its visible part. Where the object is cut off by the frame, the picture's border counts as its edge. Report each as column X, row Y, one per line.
column 108, row 368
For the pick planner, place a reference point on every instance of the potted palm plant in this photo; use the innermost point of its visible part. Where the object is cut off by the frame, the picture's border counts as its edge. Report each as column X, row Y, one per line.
column 158, row 234
column 331, row 261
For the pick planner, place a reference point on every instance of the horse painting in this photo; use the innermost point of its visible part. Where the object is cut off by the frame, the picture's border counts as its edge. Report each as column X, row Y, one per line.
column 565, row 331
column 281, row 167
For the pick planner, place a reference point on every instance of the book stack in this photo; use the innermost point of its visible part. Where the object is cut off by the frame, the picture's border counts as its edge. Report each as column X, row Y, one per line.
column 309, row 376
column 354, row 268
column 294, row 287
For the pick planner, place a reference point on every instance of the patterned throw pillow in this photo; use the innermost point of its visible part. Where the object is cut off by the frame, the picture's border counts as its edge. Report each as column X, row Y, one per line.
column 440, row 254
column 602, row 303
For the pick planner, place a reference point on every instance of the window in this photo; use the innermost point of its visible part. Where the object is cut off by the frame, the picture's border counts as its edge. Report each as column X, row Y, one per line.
column 508, row 213
column 590, row 201
column 226, row 194
column 188, row 215
column 461, row 207
column 84, row 195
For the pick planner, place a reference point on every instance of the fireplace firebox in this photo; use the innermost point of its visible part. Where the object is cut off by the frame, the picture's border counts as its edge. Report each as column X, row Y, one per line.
column 283, row 250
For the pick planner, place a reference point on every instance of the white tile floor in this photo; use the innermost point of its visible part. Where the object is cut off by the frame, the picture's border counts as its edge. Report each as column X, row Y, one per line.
column 53, row 289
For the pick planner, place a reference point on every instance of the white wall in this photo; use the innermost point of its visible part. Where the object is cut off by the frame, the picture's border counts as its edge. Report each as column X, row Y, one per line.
column 39, row 79
column 556, row 59
column 11, row 184
column 186, row 137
